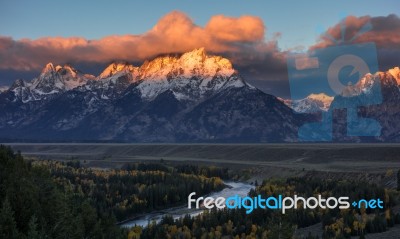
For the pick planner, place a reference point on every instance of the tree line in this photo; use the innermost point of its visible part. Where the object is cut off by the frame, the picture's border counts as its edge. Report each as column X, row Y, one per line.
column 34, row 206
column 51, row 199
column 136, row 189
column 262, row 223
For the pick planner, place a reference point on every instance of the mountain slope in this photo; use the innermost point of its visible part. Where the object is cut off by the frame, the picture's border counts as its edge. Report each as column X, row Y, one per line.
column 194, row 97
column 240, row 115
column 51, row 81
column 367, row 111
column 385, row 109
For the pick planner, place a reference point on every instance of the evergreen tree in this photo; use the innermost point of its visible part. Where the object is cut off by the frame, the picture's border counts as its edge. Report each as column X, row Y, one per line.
column 398, row 180
column 8, row 227
column 33, row 232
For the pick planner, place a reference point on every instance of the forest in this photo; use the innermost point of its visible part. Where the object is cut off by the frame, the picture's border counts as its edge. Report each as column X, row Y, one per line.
column 51, row 199
column 65, row 199
column 263, row 223
column 137, row 188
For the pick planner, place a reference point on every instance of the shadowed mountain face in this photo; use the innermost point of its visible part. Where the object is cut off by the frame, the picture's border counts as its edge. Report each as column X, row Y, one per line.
column 370, row 106
column 191, row 98
column 386, row 113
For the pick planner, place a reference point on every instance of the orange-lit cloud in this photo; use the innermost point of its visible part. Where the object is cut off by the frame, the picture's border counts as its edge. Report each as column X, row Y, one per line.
column 385, row 32
column 174, row 33
column 239, row 39
column 243, row 29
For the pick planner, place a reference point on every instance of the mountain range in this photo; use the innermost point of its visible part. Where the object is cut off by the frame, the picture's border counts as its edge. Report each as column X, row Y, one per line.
column 193, row 97
column 312, row 103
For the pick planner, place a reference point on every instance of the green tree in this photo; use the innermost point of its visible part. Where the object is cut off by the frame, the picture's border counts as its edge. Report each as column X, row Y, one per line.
column 398, row 180
column 33, row 232
column 8, row 227
column 89, row 218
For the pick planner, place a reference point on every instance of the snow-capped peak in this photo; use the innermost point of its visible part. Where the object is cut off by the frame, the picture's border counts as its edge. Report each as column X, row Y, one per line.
column 62, row 70
column 3, row 88
column 67, row 69
column 312, row 103
column 59, row 78
column 117, row 67
column 48, row 68
column 395, row 72
column 199, row 54
column 321, row 97
column 189, row 76
column 52, row 80
column 206, row 65
column 193, row 59
column 190, row 64
column 193, row 74
column 371, row 81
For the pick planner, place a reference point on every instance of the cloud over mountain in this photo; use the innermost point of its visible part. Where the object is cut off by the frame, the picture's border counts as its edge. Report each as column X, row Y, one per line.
column 175, row 33
column 240, row 39
column 385, row 33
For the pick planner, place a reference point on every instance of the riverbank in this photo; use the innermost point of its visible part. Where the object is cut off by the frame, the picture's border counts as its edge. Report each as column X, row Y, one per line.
column 233, row 188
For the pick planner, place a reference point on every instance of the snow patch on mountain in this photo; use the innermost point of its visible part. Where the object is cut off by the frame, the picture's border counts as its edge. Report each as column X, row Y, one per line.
column 118, row 68
column 370, row 81
column 189, row 76
column 312, row 103
column 4, row 88
column 52, row 80
column 317, row 102
column 363, row 86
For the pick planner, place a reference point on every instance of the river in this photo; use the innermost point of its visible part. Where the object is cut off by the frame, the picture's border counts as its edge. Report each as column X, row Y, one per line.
column 239, row 188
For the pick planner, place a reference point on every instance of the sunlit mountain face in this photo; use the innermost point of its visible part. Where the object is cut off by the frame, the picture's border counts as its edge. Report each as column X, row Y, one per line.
column 312, row 103
column 192, row 97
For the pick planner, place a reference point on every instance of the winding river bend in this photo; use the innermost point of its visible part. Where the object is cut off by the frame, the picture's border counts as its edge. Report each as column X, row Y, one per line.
column 239, row 188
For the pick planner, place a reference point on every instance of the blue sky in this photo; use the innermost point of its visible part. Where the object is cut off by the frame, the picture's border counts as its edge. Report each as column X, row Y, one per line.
column 299, row 22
